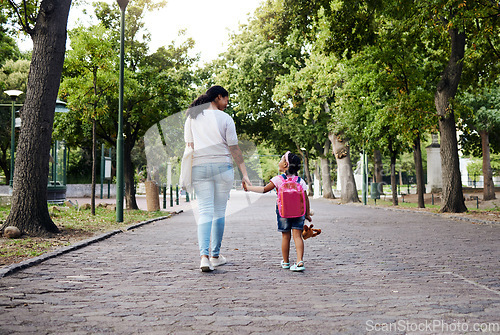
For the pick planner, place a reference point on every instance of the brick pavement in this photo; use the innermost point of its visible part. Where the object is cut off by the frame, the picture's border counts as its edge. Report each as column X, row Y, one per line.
column 369, row 270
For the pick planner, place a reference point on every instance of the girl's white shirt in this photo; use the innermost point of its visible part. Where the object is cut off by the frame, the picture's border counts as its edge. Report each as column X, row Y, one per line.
column 212, row 132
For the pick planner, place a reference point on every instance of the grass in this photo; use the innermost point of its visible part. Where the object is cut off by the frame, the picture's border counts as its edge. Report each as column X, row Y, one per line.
column 74, row 224
column 26, row 247
column 381, row 202
column 104, row 220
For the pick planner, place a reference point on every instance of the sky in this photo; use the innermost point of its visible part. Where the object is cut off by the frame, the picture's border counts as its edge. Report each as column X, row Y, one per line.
column 207, row 22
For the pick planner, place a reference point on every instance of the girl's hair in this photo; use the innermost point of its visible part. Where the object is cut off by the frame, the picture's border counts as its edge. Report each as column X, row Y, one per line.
column 209, row 96
column 293, row 164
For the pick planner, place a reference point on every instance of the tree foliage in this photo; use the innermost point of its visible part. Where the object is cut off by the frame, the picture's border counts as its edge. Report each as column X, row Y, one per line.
column 156, row 85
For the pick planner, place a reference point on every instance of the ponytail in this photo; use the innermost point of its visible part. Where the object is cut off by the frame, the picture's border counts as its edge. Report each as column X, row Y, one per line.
column 212, row 93
column 293, row 164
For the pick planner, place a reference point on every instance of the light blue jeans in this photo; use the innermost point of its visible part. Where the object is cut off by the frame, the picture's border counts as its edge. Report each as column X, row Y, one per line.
column 212, row 183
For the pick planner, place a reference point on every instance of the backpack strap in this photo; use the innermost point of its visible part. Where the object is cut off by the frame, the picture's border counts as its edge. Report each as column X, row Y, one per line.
column 295, row 178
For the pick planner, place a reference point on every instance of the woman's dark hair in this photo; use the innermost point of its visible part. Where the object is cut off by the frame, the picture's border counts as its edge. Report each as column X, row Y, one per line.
column 209, row 96
column 293, row 164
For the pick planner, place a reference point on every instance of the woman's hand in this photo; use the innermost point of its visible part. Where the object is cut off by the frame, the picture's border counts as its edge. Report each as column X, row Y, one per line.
column 245, row 182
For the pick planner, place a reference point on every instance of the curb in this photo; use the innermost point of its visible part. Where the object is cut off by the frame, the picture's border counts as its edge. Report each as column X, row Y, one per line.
column 443, row 215
column 8, row 270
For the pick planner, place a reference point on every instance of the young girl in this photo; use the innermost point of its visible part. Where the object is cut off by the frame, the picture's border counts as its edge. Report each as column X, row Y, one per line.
column 289, row 165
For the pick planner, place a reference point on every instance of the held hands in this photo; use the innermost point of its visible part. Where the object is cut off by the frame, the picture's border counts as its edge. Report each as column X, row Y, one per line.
column 245, row 182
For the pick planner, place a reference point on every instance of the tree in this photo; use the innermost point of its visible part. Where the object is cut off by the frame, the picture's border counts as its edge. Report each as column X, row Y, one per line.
column 157, row 85
column 249, row 70
column 13, row 75
column 91, row 62
column 342, row 152
column 47, row 27
column 403, row 54
column 367, row 111
column 304, row 96
column 485, row 108
column 447, row 88
column 466, row 25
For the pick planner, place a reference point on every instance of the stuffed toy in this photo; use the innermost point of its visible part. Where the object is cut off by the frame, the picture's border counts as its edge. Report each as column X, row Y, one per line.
column 310, row 232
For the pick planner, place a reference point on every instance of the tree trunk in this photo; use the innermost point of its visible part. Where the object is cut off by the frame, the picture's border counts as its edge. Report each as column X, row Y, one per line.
column 4, row 165
column 317, row 174
column 394, row 186
column 488, row 187
column 326, row 178
column 307, row 171
column 128, row 176
column 94, row 161
column 349, row 192
column 378, row 167
column 419, row 171
column 453, row 199
column 29, row 210
column 325, row 172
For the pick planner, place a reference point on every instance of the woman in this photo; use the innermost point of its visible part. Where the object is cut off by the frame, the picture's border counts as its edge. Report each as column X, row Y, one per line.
column 212, row 135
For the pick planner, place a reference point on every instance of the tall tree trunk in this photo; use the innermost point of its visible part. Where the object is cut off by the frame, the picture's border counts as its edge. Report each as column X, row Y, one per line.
column 317, row 173
column 326, row 178
column 488, row 187
column 128, row 176
column 394, row 186
column 349, row 192
column 453, row 198
column 29, row 210
column 325, row 172
column 378, row 167
column 94, row 162
column 419, row 171
column 307, row 170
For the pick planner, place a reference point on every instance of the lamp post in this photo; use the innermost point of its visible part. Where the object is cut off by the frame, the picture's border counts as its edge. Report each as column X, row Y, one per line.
column 365, row 178
column 13, row 94
column 119, row 139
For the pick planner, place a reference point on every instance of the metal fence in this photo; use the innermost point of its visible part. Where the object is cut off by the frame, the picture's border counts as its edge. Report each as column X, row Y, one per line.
column 409, row 185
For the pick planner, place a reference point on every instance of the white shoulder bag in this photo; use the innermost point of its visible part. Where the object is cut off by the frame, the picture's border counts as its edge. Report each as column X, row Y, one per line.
column 187, row 167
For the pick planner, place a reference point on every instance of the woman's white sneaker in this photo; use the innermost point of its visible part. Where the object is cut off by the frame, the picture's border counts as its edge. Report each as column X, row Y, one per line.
column 205, row 265
column 221, row 260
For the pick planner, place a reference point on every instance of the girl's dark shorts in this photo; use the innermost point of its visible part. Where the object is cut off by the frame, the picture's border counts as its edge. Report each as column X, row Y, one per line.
column 287, row 224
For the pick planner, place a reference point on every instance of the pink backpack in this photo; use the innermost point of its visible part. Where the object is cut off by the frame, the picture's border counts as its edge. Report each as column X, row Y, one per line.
column 291, row 198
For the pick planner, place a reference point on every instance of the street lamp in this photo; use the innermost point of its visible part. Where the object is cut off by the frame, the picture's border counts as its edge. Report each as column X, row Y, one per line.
column 13, row 94
column 119, row 138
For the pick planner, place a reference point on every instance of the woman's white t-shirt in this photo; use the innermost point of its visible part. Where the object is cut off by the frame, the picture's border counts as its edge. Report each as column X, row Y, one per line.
column 212, row 132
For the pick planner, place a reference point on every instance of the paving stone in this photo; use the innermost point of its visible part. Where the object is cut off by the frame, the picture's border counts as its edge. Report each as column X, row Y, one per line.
column 368, row 264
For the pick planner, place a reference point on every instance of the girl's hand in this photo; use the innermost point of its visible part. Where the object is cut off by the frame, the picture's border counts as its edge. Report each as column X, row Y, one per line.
column 308, row 217
column 244, row 185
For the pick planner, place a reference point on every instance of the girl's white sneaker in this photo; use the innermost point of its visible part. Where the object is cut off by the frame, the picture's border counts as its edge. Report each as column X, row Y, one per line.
column 205, row 265
column 221, row 260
